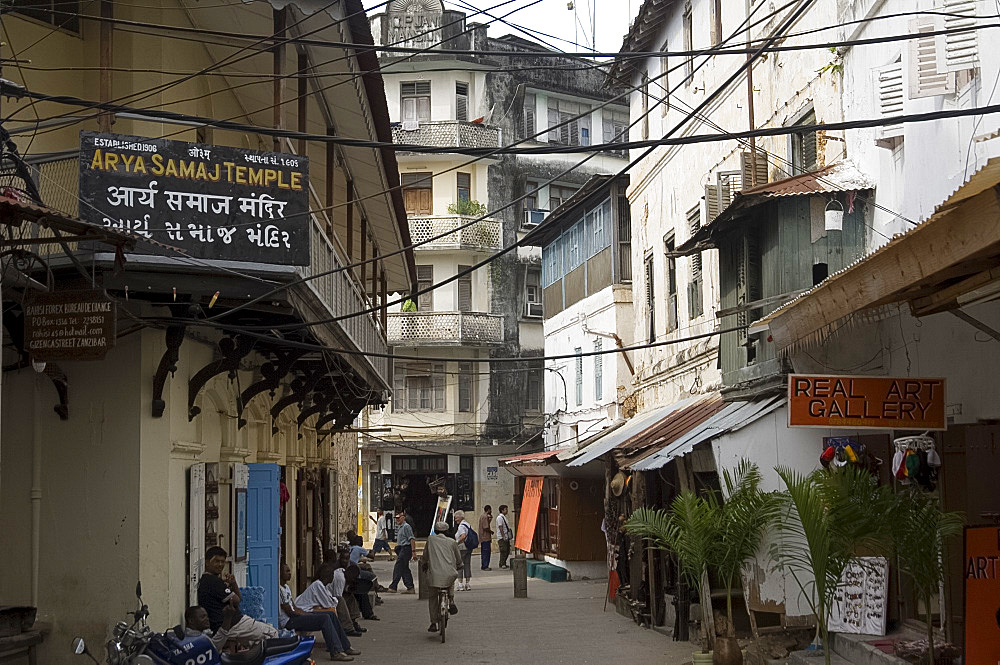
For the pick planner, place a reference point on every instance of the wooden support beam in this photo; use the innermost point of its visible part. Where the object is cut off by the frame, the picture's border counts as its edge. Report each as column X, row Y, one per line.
column 303, row 98
column 384, row 314
column 947, row 298
column 331, row 170
column 364, row 249
column 278, row 71
column 105, row 120
column 350, row 220
column 374, row 288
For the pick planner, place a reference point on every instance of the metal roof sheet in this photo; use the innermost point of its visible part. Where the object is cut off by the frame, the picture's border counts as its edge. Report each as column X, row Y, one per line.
column 733, row 416
column 611, row 439
column 669, row 429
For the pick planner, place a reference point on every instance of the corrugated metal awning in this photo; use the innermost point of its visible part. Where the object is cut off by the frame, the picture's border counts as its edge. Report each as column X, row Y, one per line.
column 839, row 177
column 611, row 439
column 731, row 417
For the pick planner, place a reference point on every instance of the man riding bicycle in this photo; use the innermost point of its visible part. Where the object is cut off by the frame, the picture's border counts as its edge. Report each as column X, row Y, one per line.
column 442, row 559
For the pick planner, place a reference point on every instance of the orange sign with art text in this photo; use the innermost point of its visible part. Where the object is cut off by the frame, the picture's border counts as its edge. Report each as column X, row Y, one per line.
column 530, row 501
column 865, row 402
column 982, row 595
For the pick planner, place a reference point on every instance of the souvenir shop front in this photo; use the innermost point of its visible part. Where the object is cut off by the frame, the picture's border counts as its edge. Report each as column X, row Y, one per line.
column 923, row 309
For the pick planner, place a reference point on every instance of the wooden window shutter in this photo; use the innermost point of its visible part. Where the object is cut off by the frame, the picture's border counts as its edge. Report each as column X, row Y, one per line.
column 961, row 49
column 889, row 88
column 425, row 279
column 529, row 116
column 746, row 179
column 465, row 378
column 461, row 101
column 464, row 291
column 399, row 387
column 438, row 380
column 927, row 76
column 553, row 121
column 711, row 204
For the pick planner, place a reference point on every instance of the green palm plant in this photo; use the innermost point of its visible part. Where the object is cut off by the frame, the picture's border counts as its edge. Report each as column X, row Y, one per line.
column 691, row 530
column 920, row 531
column 827, row 519
column 746, row 516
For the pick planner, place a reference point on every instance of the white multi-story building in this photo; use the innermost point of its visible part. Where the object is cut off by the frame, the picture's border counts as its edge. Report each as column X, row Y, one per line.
column 453, row 413
column 726, row 231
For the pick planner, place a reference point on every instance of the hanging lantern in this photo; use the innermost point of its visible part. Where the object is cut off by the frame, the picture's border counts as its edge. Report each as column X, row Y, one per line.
column 834, row 216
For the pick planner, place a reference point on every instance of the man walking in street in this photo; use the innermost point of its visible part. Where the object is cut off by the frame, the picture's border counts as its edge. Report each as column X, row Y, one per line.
column 465, row 537
column 441, row 560
column 486, row 537
column 504, row 534
column 382, row 534
column 215, row 591
column 293, row 618
column 405, row 544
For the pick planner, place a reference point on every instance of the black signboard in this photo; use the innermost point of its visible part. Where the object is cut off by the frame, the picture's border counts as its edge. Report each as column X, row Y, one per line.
column 211, row 202
column 69, row 325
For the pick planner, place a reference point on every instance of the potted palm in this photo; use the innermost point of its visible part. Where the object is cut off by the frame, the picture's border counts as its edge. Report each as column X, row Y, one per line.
column 690, row 530
column 920, row 530
column 826, row 519
column 745, row 517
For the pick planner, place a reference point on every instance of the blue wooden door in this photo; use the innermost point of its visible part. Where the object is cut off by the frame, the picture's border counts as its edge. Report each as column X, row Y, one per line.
column 263, row 535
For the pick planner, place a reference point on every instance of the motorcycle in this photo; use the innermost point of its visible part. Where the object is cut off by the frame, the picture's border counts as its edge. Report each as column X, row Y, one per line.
column 138, row 644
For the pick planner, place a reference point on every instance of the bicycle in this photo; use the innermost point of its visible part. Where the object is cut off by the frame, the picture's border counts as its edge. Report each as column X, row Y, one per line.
column 444, row 606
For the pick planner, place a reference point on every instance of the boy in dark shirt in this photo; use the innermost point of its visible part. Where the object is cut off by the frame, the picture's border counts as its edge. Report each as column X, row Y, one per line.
column 215, row 591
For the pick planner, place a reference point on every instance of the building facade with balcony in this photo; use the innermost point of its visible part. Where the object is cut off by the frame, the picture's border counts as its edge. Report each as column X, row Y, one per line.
column 449, row 403
column 190, row 433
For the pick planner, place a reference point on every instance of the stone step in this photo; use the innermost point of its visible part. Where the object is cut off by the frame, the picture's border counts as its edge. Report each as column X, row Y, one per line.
column 855, row 649
column 815, row 658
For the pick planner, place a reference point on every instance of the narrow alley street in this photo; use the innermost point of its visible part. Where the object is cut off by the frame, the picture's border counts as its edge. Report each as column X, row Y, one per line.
column 557, row 623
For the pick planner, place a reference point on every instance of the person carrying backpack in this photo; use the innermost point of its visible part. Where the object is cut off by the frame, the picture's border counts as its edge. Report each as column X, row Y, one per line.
column 468, row 540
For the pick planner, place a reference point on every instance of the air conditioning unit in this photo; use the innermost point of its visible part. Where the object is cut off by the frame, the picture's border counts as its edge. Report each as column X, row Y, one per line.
column 533, row 218
column 411, row 125
column 533, row 310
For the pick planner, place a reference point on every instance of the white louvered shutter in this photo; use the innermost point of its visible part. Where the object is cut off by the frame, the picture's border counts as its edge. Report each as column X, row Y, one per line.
column 889, row 88
column 961, row 49
column 926, row 61
column 712, row 208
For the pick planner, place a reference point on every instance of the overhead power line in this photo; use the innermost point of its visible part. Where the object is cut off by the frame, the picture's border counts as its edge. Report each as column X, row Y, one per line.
column 12, row 90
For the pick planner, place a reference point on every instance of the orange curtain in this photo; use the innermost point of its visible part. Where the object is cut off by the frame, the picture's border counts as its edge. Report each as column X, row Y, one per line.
column 529, row 513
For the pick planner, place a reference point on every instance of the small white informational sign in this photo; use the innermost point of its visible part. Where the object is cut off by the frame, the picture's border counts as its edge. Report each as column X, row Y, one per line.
column 862, row 599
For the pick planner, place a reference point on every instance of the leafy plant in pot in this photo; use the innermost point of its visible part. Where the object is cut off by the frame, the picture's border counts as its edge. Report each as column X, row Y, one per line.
column 826, row 519
column 690, row 529
column 920, row 531
column 744, row 517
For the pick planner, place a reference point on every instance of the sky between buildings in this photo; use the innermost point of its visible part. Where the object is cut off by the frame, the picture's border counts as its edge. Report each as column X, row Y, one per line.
column 552, row 17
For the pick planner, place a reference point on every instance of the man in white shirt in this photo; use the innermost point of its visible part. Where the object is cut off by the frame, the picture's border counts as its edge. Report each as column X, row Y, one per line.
column 504, row 535
column 293, row 618
column 382, row 535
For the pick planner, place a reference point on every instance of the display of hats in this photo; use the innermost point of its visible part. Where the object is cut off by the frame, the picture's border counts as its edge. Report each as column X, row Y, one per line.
column 933, row 459
column 897, row 464
column 912, row 463
column 827, row 456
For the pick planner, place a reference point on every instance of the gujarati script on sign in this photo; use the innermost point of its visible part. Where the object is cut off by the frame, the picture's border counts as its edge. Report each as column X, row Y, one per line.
column 211, row 202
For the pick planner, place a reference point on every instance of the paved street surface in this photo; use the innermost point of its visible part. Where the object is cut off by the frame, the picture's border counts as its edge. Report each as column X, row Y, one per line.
column 557, row 623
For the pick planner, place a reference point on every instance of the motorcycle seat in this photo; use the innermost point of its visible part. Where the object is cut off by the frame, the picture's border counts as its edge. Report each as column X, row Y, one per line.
column 252, row 656
column 280, row 645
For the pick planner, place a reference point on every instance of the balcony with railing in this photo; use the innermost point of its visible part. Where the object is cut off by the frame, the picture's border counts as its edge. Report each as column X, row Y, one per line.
column 444, row 329
column 446, row 134
column 482, row 235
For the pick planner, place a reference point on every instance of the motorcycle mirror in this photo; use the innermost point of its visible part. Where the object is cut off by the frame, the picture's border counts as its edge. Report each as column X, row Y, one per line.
column 80, row 648
column 138, row 589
